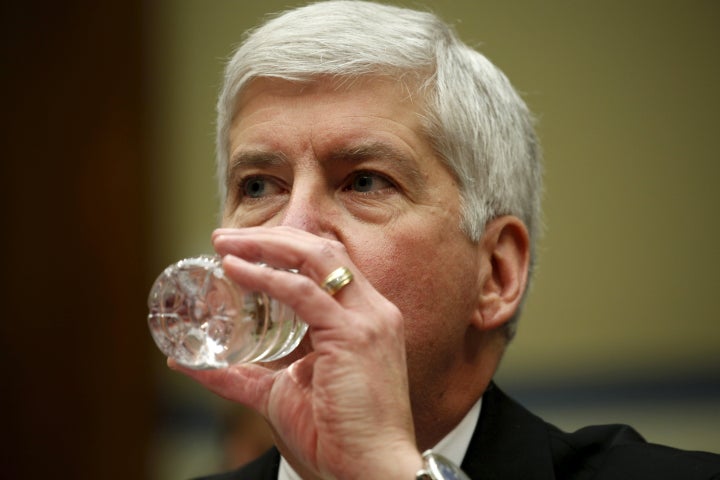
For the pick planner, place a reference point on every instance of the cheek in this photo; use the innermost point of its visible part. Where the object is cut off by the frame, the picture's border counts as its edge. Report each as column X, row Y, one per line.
column 432, row 285
column 429, row 274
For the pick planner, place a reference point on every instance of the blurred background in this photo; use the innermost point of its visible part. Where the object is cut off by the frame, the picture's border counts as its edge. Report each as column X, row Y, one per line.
column 108, row 176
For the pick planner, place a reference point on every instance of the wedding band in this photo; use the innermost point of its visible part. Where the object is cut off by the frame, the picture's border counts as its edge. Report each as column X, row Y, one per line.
column 337, row 279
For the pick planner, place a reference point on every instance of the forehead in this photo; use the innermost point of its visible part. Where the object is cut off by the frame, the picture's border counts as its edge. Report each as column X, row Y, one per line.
column 380, row 97
column 279, row 115
column 402, row 88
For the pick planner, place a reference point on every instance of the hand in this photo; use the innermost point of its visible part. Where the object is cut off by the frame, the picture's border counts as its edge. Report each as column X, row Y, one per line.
column 342, row 410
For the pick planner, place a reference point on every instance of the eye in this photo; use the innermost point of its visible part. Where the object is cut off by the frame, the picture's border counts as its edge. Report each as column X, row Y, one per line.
column 367, row 182
column 258, row 186
column 254, row 187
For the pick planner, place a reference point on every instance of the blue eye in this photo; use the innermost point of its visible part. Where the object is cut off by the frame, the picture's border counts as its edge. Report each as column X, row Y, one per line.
column 363, row 183
column 368, row 182
column 254, row 187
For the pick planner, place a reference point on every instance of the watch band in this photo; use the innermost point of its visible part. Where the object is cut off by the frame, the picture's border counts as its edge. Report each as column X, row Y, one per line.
column 437, row 467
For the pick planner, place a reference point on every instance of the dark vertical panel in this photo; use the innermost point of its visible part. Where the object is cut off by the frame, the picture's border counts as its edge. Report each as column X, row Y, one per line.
column 76, row 388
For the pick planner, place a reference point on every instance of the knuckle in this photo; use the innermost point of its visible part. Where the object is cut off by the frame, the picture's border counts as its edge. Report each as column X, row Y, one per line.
column 332, row 248
column 395, row 319
column 389, row 322
column 305, row 286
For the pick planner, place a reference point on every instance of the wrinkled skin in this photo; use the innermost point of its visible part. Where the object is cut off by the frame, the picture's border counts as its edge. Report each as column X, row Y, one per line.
column 321, row 177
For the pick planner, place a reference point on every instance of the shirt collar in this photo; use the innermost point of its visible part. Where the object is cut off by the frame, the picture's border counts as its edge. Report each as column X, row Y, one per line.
column 453, row 446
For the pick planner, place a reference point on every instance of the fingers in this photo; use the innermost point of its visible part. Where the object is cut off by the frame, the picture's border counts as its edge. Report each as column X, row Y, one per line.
column 320, row 403
column 298, row 292
column 283, row 247
column 356, row 308
column 287, row 248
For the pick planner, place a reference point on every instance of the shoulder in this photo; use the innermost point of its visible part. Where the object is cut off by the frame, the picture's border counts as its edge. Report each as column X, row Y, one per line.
column 618, row 451
column 512, row 442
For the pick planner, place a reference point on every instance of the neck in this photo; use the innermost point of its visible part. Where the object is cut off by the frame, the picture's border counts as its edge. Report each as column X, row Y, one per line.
column 436, row 412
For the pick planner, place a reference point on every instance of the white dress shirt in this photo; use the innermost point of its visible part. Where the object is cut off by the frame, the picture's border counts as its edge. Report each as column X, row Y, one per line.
column 453, row 446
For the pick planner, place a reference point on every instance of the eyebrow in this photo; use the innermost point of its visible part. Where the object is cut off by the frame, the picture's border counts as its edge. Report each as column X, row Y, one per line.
column 365, row 151
column 352, row 154
column 250, row 159
column 257, row 158
column 398, row 159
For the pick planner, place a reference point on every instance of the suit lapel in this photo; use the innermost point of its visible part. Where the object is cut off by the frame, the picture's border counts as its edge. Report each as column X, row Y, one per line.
column 267, row 466
column 509, row 442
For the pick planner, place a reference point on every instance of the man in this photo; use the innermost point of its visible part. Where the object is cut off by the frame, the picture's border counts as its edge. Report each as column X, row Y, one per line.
column 367, row 139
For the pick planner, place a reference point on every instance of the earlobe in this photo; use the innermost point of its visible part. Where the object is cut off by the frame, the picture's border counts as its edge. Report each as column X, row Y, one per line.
column 505, row 250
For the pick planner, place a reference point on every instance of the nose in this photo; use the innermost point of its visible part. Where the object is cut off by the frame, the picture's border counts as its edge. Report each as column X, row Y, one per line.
column 311, row 208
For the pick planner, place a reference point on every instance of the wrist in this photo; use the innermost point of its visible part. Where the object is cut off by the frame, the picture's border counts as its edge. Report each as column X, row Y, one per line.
column 403, row 465
column 396, row 463
column 399, row 462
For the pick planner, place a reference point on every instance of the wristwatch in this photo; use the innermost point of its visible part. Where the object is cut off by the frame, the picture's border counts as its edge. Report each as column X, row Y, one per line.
column 437, row 467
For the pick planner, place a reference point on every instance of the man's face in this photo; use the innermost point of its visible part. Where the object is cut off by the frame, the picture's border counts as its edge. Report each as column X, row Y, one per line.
column 351, row 164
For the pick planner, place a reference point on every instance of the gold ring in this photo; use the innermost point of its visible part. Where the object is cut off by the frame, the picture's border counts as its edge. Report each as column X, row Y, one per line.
column 337, row 279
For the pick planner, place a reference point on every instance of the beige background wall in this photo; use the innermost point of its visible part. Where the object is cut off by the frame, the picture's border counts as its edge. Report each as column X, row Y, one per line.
column 627, row 98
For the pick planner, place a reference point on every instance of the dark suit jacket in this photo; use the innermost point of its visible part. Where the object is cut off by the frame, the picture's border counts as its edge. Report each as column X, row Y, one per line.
column 510, row 443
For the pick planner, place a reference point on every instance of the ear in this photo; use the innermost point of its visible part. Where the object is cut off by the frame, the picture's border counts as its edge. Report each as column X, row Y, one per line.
column 505, row 261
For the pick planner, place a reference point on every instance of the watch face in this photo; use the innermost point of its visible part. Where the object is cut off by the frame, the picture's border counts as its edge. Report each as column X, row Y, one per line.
column 448, row 472
column 443, row 469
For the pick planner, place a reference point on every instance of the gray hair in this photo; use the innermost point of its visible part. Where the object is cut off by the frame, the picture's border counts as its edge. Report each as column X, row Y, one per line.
column 478, row 124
